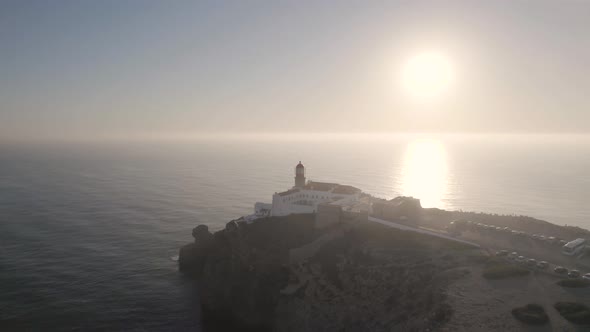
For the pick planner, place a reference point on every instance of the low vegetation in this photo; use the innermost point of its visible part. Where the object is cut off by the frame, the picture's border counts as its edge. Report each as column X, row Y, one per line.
column 574, row 283
column 497, row 269
column 531, row 314
column 574, row 312
column 479, row 258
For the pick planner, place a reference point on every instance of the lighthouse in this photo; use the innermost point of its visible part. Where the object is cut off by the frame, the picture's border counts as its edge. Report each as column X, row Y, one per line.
column 308, row 197
column 299, row 175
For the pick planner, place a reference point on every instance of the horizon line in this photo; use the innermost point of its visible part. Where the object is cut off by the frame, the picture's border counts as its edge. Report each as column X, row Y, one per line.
column 283, row 136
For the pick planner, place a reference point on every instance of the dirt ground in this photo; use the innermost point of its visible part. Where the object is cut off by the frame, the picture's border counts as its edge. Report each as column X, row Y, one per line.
column 480, row 304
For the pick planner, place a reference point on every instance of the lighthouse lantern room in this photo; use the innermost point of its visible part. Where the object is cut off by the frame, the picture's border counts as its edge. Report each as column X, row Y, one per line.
column 299, row 175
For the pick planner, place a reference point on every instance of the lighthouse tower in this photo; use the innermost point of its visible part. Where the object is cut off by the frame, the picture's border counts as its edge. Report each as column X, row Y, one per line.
column 299, row 175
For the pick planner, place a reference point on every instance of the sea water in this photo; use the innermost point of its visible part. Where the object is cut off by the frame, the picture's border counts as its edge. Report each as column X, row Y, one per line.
column 89, row 231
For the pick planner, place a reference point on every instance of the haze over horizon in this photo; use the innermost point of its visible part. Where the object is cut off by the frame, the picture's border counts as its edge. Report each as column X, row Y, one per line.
column 75, row 70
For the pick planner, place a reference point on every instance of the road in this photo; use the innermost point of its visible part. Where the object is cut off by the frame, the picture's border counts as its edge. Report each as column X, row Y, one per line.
column 493, row 242
column 421, row 231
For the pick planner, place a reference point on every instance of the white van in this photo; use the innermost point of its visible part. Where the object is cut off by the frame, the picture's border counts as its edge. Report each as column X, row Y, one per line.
column 574, row 247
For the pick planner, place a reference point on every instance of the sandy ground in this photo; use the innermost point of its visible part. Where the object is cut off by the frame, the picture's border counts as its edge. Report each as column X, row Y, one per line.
column 485, row 305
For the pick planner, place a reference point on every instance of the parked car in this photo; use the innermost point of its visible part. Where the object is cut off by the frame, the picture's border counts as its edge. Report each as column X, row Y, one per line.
column 542, row 265
column 560, row 270
column 531, row 262
column 502, row 253
column 586, row 276
column 521, row 259
column 574, row 274
column 513, row 255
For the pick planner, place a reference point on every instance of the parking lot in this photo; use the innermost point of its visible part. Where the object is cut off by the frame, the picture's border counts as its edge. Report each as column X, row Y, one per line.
column 528, row 247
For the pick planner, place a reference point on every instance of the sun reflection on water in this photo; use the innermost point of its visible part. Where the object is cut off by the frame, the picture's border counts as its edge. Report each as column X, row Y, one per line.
column 425, row 172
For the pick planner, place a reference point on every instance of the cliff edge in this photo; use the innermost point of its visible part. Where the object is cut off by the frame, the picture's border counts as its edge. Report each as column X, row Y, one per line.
column 283, row 274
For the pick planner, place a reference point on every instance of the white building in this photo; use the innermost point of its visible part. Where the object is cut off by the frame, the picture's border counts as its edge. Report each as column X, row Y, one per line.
column 305, row 197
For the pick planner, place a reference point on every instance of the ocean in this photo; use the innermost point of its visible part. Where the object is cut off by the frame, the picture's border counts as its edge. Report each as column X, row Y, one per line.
column 88, row 230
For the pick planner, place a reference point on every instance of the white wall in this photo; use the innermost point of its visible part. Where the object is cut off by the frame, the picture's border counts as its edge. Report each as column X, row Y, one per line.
column 284, row 205
column 262, row 208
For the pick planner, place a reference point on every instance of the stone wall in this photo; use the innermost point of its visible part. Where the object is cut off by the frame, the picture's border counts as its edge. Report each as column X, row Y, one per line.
column 327, row 215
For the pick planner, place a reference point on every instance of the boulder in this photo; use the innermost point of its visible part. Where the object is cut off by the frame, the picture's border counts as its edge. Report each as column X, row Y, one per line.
column 231, row 226
column 202, row 235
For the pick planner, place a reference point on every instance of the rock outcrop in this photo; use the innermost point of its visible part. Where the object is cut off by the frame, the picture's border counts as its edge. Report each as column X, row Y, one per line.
column 242, row 269
column 192, row 256
column 362, row 277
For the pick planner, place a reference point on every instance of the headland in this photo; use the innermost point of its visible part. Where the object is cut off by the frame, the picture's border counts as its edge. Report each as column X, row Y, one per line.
column 325, row 256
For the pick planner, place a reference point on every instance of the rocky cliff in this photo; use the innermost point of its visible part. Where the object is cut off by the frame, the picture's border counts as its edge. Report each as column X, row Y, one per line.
column 363, row 277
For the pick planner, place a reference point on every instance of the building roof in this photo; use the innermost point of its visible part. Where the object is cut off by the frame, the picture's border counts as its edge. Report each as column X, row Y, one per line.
column 320, row 186
column 347, row 190
column 289, row 192
column 300, row 165
column 333, row 187
column 402, row 199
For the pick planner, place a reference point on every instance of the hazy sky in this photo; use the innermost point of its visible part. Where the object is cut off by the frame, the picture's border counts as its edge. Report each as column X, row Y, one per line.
column 102, row 68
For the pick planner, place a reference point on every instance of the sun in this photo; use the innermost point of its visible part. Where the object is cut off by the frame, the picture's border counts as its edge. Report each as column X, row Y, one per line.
column 427, row 75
